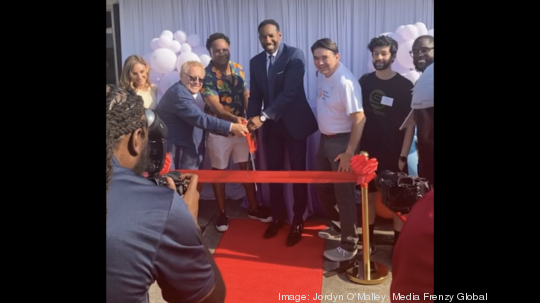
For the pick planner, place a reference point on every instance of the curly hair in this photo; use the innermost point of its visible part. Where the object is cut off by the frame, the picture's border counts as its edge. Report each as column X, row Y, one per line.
column 383, row 40
column 125, row 113
column 214, row 37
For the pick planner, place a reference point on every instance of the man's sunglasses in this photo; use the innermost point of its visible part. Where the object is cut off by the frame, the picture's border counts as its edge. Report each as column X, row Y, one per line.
column 193, row 78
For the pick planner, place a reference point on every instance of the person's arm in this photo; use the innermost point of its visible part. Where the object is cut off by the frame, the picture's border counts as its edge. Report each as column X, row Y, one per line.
column 351, row 95
column 211, row 97
column 255, row 97
column 293, row 83
column 185, row 108
column 407, row 141
column 405, row 110
column 184, row 268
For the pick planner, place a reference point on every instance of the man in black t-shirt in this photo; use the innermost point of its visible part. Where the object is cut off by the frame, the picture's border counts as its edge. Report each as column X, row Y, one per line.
column 387, row 101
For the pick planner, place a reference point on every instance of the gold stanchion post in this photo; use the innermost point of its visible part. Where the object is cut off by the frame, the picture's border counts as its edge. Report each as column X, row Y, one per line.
column 372, row 273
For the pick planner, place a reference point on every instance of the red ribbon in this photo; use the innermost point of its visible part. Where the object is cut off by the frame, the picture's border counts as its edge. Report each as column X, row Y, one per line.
column 364, row 168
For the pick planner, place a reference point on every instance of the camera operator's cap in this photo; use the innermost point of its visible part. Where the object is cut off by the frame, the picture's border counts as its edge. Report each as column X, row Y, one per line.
column 422, row 95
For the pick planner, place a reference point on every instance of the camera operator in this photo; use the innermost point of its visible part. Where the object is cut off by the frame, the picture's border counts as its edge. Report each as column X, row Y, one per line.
column 412, row 264
column 152, row 233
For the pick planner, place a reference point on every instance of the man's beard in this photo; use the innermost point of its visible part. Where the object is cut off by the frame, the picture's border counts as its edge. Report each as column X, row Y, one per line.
column 142, row 165
column 386, row 64
column 421, row 67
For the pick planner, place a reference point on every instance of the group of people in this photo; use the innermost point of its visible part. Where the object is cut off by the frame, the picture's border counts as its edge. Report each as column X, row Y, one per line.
column 215, row 108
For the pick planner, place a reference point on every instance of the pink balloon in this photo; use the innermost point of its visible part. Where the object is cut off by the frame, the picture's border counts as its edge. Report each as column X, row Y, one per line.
column 409, row 32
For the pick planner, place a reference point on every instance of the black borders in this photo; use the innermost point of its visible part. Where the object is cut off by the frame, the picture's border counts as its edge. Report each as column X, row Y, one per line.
column 471, row 137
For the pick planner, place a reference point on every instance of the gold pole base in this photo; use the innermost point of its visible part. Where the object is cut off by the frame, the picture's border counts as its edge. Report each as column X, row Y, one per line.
column 378, row 274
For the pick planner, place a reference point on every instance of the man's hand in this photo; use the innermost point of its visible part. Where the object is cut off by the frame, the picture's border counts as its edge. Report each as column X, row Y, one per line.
column 170, row 183
column 344, row 161
column 239, row 129
column 401, row 164
column 254, row 123
column 241, row 120
column 191, row 197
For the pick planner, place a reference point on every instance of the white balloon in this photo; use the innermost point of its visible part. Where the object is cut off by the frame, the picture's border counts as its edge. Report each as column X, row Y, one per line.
column 205, row 59
column 180, row 36
column 193, row 40
column 186, row 48
column 412, row 75
column 163, row 60
column 165, row 41
column 422, row 29
column 430, row 32
column 400, row 69
column 167, row 33
column 185, row 57
column 409, row 32
column 403, row 56
column 175, row 46
column 399, row 29
column 155, row 44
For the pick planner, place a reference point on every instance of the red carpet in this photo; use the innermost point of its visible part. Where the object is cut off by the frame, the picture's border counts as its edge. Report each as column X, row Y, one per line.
column 258, row 270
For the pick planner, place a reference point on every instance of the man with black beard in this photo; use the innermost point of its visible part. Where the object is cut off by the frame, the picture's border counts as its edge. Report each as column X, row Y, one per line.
column 423, row 52
column 423, row 55
column 152, row 234
column 387, row 102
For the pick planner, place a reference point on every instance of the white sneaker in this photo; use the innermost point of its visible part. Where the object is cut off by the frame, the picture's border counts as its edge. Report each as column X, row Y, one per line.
column 339, row 254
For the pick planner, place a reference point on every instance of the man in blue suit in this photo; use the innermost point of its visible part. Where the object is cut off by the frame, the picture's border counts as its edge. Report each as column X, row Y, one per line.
column 179, row 111
column 277, row 82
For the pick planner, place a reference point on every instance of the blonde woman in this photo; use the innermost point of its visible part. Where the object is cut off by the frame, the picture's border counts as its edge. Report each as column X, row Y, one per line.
column 136, row 78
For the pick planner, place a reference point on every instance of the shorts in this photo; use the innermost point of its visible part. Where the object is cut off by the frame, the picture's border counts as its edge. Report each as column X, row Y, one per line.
column 221, row 149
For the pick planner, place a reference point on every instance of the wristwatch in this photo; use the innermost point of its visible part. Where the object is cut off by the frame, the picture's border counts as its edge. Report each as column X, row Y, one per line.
column 262, row 118
column 404, row 159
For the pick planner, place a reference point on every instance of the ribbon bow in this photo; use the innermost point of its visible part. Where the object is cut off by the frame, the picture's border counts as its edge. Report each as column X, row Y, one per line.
column 364, row 168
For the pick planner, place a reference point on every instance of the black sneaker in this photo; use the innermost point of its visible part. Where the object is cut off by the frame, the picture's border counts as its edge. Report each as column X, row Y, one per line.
column 222, row 223
column 260, row 214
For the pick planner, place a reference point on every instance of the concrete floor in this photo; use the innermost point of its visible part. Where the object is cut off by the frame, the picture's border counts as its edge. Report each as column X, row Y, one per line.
column 332, row 287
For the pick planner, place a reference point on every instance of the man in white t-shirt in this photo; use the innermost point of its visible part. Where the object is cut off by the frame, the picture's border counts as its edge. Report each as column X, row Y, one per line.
column 341, row 122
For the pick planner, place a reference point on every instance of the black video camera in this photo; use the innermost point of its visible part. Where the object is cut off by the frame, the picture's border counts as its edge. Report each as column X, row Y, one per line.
column 399, row 191
column 157, row 146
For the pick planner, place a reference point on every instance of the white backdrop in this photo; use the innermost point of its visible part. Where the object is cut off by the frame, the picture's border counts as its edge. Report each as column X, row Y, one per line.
column 351, row 23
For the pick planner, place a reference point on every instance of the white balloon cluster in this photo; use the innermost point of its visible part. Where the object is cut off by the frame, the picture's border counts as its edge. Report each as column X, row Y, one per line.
column 170, row 52
column 405, row 36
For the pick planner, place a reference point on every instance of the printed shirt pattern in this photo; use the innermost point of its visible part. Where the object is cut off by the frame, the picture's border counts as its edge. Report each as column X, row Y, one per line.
column 231, row 94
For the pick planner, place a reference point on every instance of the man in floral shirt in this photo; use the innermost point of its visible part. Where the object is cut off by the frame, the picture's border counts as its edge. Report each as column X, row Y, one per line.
column 225, row 93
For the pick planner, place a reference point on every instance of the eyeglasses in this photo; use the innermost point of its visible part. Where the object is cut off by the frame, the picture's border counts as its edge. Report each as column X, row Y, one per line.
column 193, row 78
column 423, row 51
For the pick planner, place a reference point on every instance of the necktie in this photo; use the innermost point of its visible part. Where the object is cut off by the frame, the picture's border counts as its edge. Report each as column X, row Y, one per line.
column 271, row 65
